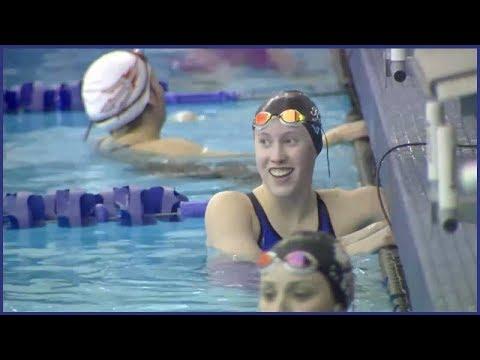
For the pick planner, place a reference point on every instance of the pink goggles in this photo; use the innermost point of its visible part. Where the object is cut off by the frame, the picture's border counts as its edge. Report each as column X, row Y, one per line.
column 295, row 261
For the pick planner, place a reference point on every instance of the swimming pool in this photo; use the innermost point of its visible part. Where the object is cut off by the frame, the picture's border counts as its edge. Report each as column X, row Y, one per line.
column 158, row 268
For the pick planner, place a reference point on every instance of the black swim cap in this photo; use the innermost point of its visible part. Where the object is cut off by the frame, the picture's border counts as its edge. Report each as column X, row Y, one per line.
column 333, row 261
column 294, row 99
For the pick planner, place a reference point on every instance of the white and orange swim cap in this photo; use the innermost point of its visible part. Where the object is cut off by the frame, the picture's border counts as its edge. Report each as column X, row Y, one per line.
column 115, row 89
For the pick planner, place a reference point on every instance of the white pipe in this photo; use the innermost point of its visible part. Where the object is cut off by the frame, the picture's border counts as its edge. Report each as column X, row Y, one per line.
column 447, row 191
column 397, row 64
column 398, row 54
column 434, row 117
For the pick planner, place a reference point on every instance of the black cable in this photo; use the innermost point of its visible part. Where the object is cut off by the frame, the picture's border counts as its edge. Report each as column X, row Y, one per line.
column 377, row 175
column 326, row 142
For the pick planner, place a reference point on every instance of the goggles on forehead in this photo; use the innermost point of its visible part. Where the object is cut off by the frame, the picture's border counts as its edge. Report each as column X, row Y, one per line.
column 296, row 261
column 288, row 117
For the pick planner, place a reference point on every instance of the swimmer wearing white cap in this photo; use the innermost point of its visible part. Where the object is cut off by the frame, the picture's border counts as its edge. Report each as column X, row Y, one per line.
column 121, row 94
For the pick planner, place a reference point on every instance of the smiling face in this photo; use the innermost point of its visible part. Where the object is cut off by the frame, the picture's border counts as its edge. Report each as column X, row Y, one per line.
column 285, row 157
column 283, row 290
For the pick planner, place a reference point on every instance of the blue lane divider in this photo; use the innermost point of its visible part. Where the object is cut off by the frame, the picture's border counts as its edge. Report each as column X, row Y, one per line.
column 36, row 97
column 129, row 205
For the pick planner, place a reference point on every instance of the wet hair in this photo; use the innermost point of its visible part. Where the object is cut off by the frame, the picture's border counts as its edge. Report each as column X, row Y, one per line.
column 294, row 99
column 333, row 262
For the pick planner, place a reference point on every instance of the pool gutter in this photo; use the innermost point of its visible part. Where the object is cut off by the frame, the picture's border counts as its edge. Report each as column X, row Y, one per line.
column 388, row 257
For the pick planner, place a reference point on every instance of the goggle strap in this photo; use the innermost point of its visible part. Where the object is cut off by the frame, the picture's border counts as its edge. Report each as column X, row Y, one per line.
column 326, row 143
column 85, row 136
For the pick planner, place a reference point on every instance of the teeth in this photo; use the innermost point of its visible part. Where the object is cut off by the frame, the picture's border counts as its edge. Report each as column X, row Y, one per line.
column 280, row 172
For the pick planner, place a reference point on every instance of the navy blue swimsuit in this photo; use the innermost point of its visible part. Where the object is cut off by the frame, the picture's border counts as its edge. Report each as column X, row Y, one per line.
column 269, row 237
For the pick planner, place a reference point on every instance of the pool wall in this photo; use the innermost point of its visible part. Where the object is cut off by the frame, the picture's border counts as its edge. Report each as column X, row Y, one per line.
column 440, row 268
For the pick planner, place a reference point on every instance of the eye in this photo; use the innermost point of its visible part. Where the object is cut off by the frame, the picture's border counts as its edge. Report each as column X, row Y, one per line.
column 290, row 141
column 265, row 142
column 269, row 294
column 302, row 295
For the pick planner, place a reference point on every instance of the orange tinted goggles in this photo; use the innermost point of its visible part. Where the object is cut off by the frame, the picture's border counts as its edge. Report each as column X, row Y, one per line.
column 289, row 116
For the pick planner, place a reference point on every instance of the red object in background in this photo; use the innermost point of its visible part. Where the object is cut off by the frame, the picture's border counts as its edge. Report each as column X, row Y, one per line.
column 208, row 60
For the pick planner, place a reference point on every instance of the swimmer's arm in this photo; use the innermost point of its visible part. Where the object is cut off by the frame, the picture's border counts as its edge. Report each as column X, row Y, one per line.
column 346, row 132
column 228, row 223
column 177, row 147
column 369, row 207
column 352, row 210
column 368, row 240
column 225, row 154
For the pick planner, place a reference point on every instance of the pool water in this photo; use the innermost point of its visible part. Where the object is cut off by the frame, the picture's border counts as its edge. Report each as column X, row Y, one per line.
column 160, row 268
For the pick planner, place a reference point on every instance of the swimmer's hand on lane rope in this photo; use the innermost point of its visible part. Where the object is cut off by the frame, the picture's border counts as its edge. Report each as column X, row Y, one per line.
column 369, row 239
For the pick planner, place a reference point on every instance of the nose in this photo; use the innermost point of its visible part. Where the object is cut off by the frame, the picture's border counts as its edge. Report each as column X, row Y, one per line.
column 281, row 304
column 278, row 154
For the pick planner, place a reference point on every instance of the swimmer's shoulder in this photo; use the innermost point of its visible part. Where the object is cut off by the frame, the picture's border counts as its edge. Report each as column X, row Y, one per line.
column 101, row 143
column 351, row 210
column 228, row 218
column 332, row 195
column 230, row 200
column 107, row 144
column 339, row 194
column 230, row 206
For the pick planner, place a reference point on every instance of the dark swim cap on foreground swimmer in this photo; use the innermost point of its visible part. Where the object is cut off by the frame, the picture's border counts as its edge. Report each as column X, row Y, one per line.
column 293, row 107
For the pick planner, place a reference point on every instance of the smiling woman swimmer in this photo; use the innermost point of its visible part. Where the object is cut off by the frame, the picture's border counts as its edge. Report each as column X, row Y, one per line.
column 288, row 139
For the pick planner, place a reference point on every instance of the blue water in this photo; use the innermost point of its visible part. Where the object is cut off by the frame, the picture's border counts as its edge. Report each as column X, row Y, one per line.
column 165, row 267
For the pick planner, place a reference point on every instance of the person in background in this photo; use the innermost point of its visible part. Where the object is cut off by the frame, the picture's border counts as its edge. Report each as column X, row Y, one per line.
column 210, row 60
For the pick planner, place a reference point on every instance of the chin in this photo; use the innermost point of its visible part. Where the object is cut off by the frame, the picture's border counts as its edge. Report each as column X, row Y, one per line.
column 281, row 191
column 284, row 190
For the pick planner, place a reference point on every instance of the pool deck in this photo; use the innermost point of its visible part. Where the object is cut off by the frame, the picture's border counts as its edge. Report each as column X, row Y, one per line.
column 440, row 268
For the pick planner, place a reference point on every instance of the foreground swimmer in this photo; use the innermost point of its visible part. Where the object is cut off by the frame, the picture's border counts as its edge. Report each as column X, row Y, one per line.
column 288, row 138
column 309, row 271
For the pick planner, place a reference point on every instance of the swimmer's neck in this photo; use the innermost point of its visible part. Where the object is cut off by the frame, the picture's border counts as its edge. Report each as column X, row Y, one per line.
column 296, row 206
column 145, row 128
